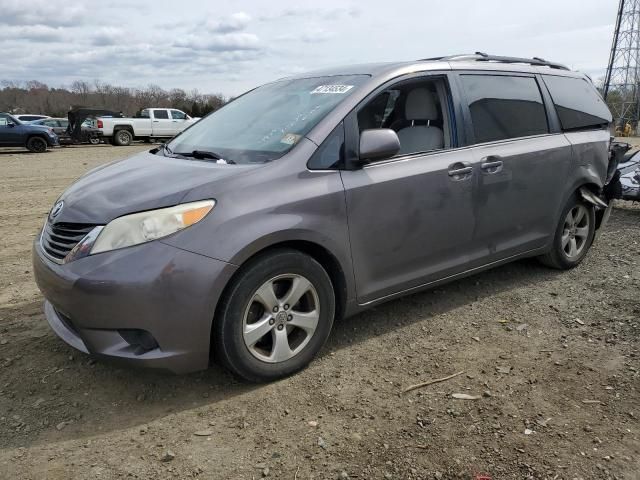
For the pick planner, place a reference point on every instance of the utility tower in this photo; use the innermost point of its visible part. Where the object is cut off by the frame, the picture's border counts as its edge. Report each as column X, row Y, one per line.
column 621, row 85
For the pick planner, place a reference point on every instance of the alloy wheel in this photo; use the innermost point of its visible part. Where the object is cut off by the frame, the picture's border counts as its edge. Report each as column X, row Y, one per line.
column 281, row 318
column 575, row 232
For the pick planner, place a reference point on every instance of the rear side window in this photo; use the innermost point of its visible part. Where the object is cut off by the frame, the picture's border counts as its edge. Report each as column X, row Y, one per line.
column 578, row 103
column 504, row 107
column 160, row 114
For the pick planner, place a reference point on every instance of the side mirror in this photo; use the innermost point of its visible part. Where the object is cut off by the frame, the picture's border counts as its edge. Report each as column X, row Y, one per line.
column 11, row 124
column 378, row 144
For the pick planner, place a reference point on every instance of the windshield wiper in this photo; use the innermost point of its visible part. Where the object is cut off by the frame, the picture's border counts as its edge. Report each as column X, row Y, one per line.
column 165, row 148
column 202, row 154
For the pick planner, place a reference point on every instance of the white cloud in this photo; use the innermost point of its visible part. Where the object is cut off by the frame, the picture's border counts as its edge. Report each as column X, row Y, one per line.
column 41, row 12
column 227, row 48
column 233, row 23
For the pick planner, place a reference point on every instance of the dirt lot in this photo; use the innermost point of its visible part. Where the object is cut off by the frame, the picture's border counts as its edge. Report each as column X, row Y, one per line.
column 553, row 356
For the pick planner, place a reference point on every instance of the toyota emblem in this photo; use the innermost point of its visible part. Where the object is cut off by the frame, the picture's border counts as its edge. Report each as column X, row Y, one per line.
column 57, row 208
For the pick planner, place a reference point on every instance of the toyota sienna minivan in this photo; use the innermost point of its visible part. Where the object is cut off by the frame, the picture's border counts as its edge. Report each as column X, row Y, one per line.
column 314, row 197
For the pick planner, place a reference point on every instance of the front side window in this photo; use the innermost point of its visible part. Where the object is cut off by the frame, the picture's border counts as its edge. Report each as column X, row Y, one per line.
column 267, row 122
column 330, row 154
column 178, row 115
column 161, row 114
column 414, row 110
column 578, row 103
column 504, row 107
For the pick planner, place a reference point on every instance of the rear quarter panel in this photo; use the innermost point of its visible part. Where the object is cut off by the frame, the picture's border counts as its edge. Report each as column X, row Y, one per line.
column 590, row 157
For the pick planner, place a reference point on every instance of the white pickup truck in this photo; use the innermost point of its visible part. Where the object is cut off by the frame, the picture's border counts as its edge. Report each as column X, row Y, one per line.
column 150, row 123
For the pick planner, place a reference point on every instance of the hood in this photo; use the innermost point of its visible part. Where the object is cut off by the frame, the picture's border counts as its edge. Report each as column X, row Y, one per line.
column 142, row 182
column 32, row 127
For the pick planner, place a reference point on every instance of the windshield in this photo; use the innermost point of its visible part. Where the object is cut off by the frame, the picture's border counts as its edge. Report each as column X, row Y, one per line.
column 267, row 122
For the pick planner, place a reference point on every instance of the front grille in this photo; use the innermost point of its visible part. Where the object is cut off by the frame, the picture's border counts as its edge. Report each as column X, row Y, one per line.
column 60, row 238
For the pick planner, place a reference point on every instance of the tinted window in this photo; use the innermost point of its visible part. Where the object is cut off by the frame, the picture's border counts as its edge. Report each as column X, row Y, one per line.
column 160, row 114
column 504, row 107
column 577, row 102
column 178, row 115
column 331, row 152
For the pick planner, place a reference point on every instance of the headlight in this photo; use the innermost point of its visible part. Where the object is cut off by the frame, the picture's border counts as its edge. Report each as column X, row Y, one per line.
column 146, row 226
column 140, row 228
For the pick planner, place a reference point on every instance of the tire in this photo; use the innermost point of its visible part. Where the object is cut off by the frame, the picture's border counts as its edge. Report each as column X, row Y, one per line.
column 122, row 138
column 37, row 145
column 94, row 140
column 573, row 236
column 256, row 334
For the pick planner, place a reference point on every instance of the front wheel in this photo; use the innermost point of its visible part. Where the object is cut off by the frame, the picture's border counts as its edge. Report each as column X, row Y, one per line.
column 573, row 237
column 275, row 317
column 37, row 145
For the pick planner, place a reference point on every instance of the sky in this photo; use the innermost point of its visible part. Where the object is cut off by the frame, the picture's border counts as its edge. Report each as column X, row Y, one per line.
column 230, row 47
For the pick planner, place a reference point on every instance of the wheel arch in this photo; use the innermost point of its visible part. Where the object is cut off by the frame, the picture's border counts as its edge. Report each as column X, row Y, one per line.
column 117, row 128
column 39, row 135
column 321, row 254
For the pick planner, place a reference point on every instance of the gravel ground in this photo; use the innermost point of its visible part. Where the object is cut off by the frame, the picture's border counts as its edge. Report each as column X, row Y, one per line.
column 553, row 358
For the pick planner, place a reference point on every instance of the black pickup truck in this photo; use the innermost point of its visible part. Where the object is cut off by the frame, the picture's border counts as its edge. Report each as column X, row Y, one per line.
column 35, row 138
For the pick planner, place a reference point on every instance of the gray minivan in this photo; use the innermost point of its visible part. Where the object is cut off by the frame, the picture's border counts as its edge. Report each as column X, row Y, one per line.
column 315, row 197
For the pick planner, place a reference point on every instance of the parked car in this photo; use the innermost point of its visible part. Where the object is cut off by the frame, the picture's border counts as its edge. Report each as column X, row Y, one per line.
column 14, row 133
column 625, row 184
column 60, row 126
column 151, row 123
column 630, row 178
column 315, row 197
column 28, row 117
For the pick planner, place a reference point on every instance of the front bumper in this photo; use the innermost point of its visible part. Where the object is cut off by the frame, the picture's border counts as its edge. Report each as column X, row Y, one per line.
column 167, row 292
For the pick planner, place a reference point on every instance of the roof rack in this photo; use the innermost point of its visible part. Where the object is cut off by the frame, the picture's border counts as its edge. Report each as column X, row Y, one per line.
column 483, row 57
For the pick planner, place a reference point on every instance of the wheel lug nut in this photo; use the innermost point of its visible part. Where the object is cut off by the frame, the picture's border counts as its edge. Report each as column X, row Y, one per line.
column 275, row 309
column 280, row 327
column 286, row 306
column 289, row 317
column 271, row 321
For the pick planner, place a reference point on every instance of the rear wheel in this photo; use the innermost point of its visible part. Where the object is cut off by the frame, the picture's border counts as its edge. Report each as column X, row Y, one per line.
column 573, row 237
column 94, row 140
column 122, row 138
column 37, row 144
column 276, row 316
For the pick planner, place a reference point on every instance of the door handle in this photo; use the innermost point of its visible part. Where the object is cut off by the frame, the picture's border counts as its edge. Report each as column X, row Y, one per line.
column 491, row 164
column 156, row 121
column 460, row 170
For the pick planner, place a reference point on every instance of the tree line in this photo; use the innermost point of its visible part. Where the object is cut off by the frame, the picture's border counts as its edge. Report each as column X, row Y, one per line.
column 38, row 98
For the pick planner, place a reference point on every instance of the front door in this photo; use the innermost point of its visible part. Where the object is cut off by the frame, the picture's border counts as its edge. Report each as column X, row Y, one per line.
column 411, row 218
column 9, row 134
column 522, row 164
column 178, row 120
column 162, row 125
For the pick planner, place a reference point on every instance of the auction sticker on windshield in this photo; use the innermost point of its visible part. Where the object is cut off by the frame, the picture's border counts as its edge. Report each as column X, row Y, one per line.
column 332, row 89
column 290, row 139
